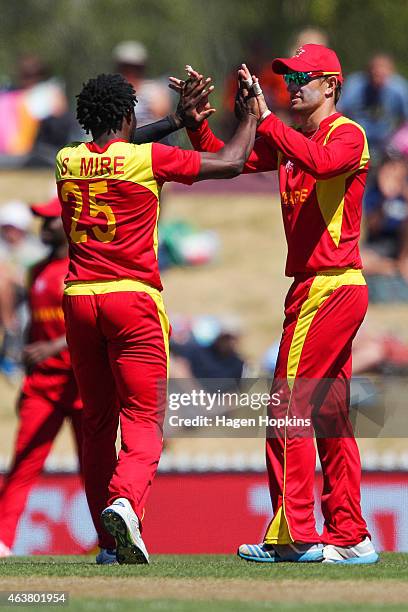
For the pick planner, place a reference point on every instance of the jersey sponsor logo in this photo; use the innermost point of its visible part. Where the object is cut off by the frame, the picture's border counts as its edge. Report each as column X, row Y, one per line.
column 292, row 198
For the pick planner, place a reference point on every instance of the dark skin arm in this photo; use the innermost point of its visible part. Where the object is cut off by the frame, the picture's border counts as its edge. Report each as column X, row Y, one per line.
column 36, row 352
column 154, row 132
column 230, row 160
column 194, row 108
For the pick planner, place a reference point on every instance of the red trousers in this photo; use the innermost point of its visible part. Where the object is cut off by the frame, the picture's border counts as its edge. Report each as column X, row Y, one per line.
column 46, row 400
column 119, row 349
column 322, row 316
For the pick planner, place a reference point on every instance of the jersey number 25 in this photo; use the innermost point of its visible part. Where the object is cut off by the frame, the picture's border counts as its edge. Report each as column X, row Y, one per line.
column 96, row 207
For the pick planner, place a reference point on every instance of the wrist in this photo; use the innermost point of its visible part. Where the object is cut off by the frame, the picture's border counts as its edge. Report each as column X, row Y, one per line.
column 176, row 120
column 193, row 126
column 264, row 115
column 248, row 117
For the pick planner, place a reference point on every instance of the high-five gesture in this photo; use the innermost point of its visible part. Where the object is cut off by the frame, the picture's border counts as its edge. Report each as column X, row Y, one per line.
column 193, row 107
column 249, row 88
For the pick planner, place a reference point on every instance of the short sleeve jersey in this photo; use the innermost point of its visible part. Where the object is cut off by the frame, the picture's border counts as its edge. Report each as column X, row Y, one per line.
column 110, row 206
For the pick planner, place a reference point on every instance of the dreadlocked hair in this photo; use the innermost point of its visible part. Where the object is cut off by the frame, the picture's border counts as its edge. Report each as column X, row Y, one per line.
column 104, row 102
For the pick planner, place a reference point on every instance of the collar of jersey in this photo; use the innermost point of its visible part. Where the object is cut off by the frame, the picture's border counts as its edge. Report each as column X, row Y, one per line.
column 329, row 120
column 324, row 123
column 94, row 148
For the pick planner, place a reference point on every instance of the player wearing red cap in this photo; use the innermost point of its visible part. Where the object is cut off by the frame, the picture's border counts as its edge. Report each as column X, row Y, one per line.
column 49, row 393
column 322, row 170
column 117, row 328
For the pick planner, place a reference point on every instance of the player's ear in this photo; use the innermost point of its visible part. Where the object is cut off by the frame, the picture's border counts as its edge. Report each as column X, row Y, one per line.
column 331, row 86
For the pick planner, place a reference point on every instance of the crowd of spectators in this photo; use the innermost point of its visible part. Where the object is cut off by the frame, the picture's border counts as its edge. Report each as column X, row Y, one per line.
column 377, row 98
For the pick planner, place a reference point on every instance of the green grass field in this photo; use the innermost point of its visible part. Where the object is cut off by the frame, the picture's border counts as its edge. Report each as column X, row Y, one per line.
column 220, row 583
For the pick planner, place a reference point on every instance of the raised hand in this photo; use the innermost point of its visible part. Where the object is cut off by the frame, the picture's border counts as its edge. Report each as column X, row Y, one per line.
column 249, row 89
column 193, row 107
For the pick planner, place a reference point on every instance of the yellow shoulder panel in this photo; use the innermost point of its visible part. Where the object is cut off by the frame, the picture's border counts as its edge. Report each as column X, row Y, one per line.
column 330, row 192
column 365, row 156
column 121, row 161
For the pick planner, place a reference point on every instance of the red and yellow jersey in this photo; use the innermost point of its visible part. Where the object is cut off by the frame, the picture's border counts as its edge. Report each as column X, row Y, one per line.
column 110, row 206
column 321, row 180
column 45, row 295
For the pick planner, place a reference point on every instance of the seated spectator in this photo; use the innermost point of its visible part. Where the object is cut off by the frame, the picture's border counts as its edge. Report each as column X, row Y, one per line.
column 385, row 254
column 154, row 101
column 379, row 352
column 209, row 354
column 19, row 250
column 378, row 100
column 34, row 117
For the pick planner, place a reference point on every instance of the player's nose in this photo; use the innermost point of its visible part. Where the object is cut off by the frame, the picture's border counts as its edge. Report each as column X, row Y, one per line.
column 292, row 87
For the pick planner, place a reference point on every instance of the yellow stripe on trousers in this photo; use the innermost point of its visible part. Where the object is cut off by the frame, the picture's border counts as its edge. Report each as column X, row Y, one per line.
column 323, row 285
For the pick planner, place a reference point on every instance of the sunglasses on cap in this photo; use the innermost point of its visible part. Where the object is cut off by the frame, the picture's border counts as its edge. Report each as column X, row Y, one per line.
column 303, row 78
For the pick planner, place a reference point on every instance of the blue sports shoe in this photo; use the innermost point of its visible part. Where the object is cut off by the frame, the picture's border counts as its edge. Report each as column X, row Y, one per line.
column 359, row 554
column 106, row 556
column 281, row 553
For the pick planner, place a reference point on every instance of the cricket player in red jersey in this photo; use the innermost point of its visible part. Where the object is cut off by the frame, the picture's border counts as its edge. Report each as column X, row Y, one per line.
column 117, row 328
column 322, row 170
column 49, row 393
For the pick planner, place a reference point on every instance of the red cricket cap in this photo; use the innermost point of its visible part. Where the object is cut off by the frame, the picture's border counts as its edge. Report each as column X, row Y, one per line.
column 52, row 208
column 318, row 59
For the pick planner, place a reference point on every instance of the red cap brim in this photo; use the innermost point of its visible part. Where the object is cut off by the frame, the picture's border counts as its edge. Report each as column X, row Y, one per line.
column 282, row 65
column 47, row 209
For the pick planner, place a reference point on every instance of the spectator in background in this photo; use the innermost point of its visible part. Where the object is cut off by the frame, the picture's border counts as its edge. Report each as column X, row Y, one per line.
column 378, row 100
column 49, row 393
column 210, row 354
column 19, row 250
column 307, row 36
column 273, row 86
column 385, row 255
column 34, row 117
column 154, row 101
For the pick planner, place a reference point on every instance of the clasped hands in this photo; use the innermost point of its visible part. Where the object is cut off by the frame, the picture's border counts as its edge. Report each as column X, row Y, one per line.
column 194, row 106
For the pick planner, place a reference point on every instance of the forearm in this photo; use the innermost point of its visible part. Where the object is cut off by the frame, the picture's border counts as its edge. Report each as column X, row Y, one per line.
column 229, row 161
column 262, row 158
column 158, row 130
column 59, row 344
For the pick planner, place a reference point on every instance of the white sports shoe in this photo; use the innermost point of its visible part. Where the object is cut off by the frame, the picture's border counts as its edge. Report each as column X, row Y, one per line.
column 120, row 521
column 362, row 553
column 106, row 556
column 267, row 553
column 5, row 551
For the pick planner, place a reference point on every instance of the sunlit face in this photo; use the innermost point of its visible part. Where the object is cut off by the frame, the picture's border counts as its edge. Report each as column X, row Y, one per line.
column 307, row 92
column 308, row 97
column 380, row 69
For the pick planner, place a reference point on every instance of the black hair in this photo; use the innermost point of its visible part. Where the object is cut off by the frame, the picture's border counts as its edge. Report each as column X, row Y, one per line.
column 337, row 92
column 104, row 102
